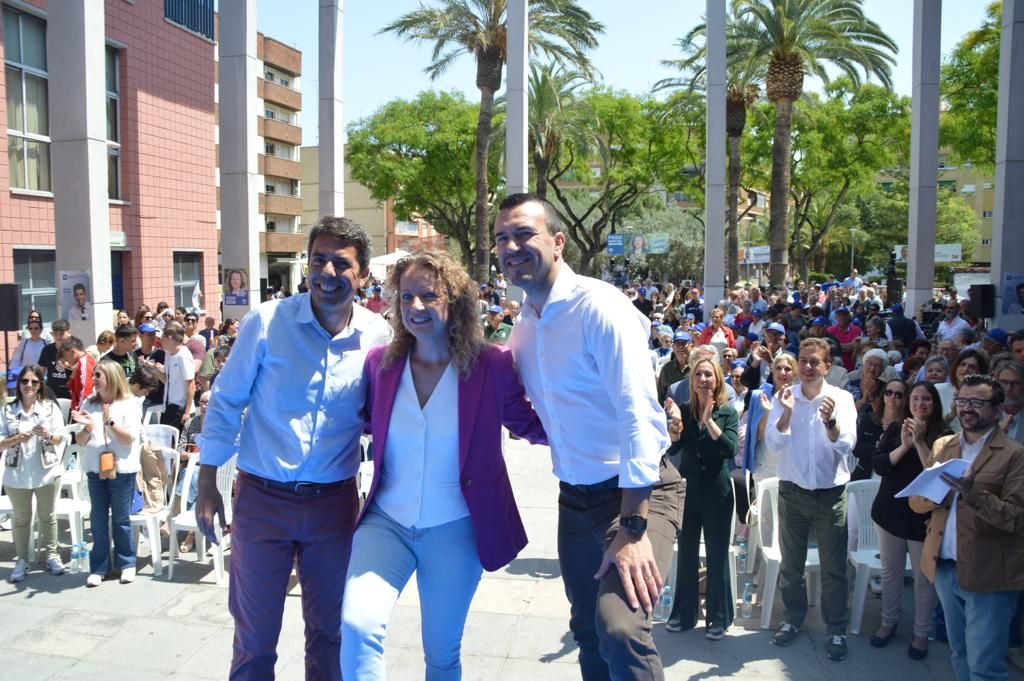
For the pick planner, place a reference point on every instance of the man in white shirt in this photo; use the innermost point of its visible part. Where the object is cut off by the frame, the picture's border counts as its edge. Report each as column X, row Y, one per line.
column 581, row 349
column 179, row 377
column 950, row 327
column 813, row 426
column 82, row 309
column 853, row 282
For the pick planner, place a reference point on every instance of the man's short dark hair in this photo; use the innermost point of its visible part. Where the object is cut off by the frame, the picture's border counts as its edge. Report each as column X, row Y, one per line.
column 59, row 325
column 976, row 380
column 551, row 218
column 78, row 287
column 175, row 331
column 71, row 343
column 346, row 230
column 180, row 310
column 1015, row 337
column 126, row 331
column 145, row 377
column 221, row 351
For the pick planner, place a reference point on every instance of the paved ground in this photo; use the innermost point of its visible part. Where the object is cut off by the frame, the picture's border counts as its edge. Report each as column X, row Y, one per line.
column 54, row 628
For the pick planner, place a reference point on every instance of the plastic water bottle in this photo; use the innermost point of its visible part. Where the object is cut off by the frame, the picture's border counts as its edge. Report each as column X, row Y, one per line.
column 83, row 557
column 76, row 565
column 663, row 608
column 747, row 610
column 741, row 556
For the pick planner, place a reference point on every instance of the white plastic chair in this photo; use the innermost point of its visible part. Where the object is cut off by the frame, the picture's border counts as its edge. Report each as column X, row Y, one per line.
column 65, row 408
column 185, row 521
column 76, row 506
column 160, row 435
column 152, row 521
column 865, row 557
column 771, row 553
column 153, row 414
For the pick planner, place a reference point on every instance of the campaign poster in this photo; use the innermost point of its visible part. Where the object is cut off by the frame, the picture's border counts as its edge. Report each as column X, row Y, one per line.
column 74, row 296
column 657, row 243
column 1013, row 293
column 943, row 252
column 236, row 286
column 616, row 244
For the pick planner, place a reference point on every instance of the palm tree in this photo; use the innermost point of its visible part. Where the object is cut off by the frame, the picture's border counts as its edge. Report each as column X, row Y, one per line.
column 797, row 37
column 742, row 90
column 554, row 114
column 559, row 28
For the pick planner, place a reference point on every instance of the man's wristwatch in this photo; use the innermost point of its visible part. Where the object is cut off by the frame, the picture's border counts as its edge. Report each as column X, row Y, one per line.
column 831, row 423
column 110, row 423
column 634, row 525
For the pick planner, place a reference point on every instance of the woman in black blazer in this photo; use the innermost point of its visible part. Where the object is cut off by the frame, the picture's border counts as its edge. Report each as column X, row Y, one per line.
column 704, row 448
column 902, row 452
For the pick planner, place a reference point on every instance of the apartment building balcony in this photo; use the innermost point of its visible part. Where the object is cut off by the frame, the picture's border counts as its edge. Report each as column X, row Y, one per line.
column 282, row 242
column 279, row 94
column 279, row 130
column 277, row 54
column 280, row 167
column 281, row 204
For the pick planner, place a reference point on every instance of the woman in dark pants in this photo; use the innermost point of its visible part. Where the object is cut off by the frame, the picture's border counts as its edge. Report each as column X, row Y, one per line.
column 707, row 442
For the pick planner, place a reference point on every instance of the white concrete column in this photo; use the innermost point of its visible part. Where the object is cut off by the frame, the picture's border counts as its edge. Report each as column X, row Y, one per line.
column 332, row 119
column 1008, row 216
column 239, row 147
column 924, row 152
column 714, row 193
column 517, row 98
column 76, row 56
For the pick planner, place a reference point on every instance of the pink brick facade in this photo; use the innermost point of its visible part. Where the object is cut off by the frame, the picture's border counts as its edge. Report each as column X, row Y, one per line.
column 167, row 159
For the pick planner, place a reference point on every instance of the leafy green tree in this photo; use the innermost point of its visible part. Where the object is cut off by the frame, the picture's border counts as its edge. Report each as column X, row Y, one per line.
column 555, row 113
column 685, row 257
column 969, row 84
column 420, row 154
column 794, row 38
column 559, row 28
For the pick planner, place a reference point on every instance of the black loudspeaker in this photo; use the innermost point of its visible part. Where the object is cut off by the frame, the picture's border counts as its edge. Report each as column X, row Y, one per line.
column 983, row 301
column 10, row 307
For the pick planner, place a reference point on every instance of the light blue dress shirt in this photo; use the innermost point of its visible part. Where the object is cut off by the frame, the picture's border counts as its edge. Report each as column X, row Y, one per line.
column 303, row 389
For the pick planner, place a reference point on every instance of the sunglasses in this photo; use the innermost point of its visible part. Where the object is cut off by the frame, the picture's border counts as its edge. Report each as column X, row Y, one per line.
column 29, row 381
column 894, row 393
column 147, row 316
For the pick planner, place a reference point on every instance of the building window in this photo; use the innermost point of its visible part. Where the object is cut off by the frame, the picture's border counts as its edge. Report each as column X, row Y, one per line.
column 195, row 15
column 186, row 276
column 113, row 124
column 268, row 113
column 28, row 113
column 986, row 242
column 947, row 184
column 36, row 271
column 968, row 189
column 986, row 213
column 268, row 149
column 988, row 185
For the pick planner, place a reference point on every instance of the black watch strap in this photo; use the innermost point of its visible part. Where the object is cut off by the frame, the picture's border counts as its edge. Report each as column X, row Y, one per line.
column 635, row 525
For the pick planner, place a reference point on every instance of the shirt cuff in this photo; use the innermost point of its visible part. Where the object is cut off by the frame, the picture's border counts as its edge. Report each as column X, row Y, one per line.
column 214, row 453
column 635, row 473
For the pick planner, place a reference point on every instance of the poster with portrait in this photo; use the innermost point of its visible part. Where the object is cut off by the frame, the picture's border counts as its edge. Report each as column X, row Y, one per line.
column 236, row 286
column 74, row 296
column 1013, row 293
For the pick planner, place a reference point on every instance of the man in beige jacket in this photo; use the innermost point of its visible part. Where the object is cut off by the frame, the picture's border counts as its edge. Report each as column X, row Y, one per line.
column 975, row 555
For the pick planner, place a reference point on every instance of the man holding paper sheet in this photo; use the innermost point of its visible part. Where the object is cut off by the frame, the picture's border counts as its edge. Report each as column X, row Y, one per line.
column 975, row 555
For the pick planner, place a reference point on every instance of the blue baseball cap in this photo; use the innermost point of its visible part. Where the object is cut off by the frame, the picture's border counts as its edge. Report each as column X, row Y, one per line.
column 819, row 321
column 642, row 291
column 495, row 309
column 998, row 335
column 776, row 327
column 842, row 310
column 688, row 315
column 681, row 335
column 758, row 312
column 897, row 308
column 699, row 327
column 753, row 337
column 146, row 327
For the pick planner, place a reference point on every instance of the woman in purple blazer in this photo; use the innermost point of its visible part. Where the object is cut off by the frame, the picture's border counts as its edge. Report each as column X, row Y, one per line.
column 440, row 504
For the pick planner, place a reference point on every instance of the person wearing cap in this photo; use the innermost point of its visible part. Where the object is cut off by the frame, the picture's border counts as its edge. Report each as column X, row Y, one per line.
column 375, row 303
column 641, row 303
column 296, row 374
column 994, row 342
column 762, row 354
column 758, row 325
column 847, row 334
column 579, row 346
column 663, row 353
column 151, row 355
column 495, row 329
column 694, row 306
column 677, row 368
column 903, row 330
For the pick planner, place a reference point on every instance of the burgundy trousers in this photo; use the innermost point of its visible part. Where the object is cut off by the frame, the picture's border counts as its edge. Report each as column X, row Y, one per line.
column 272, row 530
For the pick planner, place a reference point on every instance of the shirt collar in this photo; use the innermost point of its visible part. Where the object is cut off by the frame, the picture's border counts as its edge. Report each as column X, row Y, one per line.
column 979, row 443
column 565, row 284
column 358, row 322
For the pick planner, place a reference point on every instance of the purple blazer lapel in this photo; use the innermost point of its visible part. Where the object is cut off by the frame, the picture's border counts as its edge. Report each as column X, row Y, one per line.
column 469, row 401
column 383, row 404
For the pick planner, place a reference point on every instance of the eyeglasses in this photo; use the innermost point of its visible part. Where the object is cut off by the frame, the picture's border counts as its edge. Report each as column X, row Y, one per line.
column 895, row 393
column 29, row 381
column 975, row 402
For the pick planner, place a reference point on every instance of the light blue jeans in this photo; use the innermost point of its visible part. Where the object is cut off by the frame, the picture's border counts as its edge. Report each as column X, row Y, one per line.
column 977, row 625
column 384, row 556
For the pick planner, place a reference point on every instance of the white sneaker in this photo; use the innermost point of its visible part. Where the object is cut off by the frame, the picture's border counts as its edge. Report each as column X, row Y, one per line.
column 127, row 575
column 94, row 580
column 18, row 573
column 5, row 522
column 54, row 565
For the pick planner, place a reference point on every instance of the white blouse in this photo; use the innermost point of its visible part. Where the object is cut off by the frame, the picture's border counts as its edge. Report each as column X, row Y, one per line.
column 420, row 484
column 30, row 472
column 126, row 413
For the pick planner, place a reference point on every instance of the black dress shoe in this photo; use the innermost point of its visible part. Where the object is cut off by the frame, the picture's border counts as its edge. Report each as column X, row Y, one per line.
column 916, row 653
column 880, row 641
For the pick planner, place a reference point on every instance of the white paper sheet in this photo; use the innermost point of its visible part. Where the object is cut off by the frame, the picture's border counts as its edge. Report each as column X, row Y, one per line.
column 930, row 486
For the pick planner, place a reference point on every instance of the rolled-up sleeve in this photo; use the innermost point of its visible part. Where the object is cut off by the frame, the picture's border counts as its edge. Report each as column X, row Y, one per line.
column 619, row 345
column 232, row 391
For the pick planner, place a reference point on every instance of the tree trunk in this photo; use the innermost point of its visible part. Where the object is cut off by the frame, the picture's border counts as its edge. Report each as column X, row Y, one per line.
column 540, row 167
column 480, row 213
column 782, row 146
column 733, row 245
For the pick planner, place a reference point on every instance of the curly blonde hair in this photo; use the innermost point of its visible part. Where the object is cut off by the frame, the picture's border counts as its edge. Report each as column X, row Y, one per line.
column 465, row 332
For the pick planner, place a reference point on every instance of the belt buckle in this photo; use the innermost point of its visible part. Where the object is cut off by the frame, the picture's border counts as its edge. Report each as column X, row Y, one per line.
column 305, row 489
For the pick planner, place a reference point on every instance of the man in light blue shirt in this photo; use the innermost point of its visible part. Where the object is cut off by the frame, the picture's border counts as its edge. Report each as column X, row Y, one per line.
column 289, row 402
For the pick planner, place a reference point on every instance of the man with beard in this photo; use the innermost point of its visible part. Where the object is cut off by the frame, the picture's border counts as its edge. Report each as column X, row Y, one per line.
column 974, row 547
column 580, row 347
column 297, row 367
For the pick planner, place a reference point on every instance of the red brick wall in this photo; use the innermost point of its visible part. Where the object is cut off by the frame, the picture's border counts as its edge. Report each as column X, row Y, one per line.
column 167, row 158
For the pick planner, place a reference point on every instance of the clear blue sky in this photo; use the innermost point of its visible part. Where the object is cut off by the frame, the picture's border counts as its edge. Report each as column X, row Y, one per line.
column 638, row 35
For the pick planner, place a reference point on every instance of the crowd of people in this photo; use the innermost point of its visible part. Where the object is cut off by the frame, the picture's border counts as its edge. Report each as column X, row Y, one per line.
column 661, row 423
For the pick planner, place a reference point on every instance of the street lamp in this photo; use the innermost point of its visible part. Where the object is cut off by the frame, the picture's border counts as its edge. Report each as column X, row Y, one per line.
column 853, row 245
